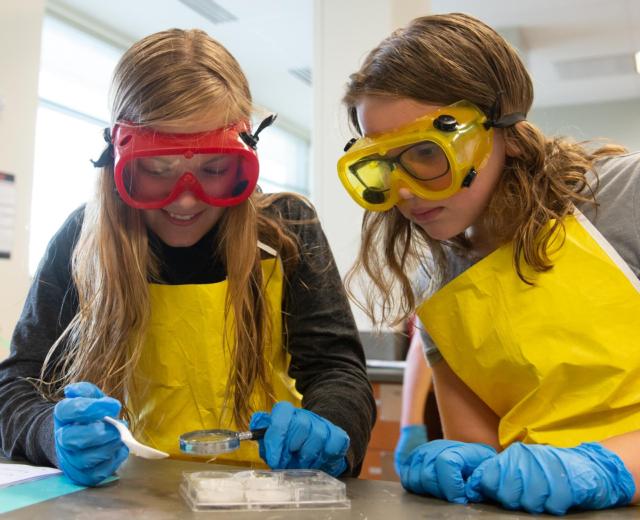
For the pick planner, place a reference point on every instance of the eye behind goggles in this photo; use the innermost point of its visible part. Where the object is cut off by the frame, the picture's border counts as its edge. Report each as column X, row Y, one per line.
column 434, row 157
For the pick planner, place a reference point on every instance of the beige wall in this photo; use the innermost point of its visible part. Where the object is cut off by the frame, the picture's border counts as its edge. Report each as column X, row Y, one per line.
column 344, row 32
column 618, row 121
column 20, row 29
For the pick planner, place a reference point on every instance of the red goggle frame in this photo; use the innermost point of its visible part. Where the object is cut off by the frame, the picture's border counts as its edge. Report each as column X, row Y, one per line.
column 132, row 143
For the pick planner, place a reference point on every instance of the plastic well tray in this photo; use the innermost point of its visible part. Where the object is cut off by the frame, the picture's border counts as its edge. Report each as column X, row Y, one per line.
column 263, row 489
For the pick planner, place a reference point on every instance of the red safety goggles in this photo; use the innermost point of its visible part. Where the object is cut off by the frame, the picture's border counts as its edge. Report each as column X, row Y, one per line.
column 152, row 169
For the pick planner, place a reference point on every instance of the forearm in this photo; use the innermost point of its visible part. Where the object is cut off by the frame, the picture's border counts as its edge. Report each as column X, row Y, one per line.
column 626, row 447
column 345, row 400
column 464, row 416
column 415, row 384
column 26, row 427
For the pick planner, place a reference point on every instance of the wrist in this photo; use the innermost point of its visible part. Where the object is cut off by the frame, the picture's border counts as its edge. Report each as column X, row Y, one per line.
column 613, row 469
column 414, row 429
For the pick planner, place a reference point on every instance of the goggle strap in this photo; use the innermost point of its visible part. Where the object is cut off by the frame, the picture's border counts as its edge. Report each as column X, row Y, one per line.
column 505, row 121
column 106, row 157
column 252, row 140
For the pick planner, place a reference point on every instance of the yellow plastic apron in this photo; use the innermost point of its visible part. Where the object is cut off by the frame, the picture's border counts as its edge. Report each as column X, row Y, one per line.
column 558, row 362
column 180, row 381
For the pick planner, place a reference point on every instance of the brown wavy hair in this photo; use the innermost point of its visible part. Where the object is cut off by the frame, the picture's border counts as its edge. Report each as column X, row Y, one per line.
column 169, row 76
column 442, row 59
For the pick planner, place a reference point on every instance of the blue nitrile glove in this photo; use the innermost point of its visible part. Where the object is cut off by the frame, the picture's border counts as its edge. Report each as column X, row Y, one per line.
column 441, row 467
column 540, row 478
column 88, row 449
column 411, row 437
column 298, row 438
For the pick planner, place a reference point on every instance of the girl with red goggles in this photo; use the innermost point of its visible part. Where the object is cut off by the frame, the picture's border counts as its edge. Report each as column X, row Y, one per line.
column 182, row 298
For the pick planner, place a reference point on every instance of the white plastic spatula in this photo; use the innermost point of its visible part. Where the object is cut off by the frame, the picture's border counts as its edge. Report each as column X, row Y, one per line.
column 135, row 447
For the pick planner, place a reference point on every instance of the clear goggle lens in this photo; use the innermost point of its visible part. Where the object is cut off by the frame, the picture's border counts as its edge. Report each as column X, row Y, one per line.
column 218, row 176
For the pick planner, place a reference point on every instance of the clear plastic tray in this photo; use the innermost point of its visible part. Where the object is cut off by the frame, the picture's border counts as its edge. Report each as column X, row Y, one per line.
column 263, row 489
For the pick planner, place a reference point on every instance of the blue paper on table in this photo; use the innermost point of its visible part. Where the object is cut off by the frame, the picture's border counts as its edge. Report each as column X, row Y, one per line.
column 37, row 489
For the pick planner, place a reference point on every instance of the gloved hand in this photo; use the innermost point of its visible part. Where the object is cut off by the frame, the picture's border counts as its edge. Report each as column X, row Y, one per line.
column 441, row 467
column 88, row 449
column 298, row 438
column 538, row 478
column 411, row 437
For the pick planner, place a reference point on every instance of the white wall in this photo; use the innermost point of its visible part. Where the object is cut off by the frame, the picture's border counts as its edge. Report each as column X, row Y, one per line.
column 20, row 29
column 344, row 32
column 618, row 121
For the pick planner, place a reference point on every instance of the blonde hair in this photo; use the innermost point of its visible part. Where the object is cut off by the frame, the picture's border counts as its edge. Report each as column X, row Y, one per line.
column 442, row 59
column 169, row 76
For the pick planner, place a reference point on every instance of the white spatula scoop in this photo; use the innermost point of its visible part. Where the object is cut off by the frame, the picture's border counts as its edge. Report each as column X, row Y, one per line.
column 135, row 447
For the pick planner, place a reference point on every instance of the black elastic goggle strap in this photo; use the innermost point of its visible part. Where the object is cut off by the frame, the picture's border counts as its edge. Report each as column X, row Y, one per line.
column 106, row 157
column 493, row 121
column 505, row 121
column 252, row 140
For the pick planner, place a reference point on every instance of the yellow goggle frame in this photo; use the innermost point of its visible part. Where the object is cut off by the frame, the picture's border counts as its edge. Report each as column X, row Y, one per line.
column 373, row 178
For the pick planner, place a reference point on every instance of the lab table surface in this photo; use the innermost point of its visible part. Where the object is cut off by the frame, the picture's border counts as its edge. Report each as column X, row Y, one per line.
column 149, row 490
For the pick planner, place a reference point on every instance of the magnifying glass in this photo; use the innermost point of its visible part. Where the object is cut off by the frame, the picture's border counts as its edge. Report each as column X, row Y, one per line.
column 215, row 442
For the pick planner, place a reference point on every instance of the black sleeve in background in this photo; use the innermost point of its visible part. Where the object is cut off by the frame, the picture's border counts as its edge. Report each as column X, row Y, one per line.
column 26, row 419
column 327, row 358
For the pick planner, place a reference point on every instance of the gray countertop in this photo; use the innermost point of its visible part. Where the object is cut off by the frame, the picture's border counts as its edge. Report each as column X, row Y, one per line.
column 385, row 371
column 149, row 490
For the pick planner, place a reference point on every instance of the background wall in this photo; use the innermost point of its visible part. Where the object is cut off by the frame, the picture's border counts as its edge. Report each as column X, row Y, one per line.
column 618, row 121
column 20, row 28
column 343, row 32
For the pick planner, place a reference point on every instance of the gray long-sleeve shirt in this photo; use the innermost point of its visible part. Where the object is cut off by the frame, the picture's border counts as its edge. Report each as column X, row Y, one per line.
column 327, row 360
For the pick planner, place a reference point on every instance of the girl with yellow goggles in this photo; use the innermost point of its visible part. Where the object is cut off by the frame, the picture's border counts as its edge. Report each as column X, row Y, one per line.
column 529, row 288
column 434, row 157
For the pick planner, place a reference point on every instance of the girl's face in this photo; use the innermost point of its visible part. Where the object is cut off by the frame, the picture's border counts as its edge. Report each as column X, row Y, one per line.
column 442, row 219
column 183, row 222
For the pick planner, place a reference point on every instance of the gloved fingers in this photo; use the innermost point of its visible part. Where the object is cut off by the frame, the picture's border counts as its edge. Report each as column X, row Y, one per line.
column 337, row 444
column 83, row 389
column 560, row 496
column 449, row 478
column 83, row 436
column 91, row 457
column 483, row 479
column 299, row 430
column 275, row 438
column 260, row 420
column 414, row 477
column 93, row 476
column 454, row 465
column 535, row 494
column 429, row 483
column 311, row 453
column 85, row 409
column 335, row 468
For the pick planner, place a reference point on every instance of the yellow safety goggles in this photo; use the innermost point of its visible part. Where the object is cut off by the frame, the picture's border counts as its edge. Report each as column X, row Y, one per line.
column 434, row 157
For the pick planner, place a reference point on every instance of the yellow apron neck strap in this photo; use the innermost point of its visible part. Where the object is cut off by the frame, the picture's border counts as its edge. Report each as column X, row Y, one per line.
column 267, row 249
column 608, row 248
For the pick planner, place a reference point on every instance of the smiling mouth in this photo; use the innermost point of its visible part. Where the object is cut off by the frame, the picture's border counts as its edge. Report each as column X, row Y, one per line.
column 182, row 217
column 179, row 219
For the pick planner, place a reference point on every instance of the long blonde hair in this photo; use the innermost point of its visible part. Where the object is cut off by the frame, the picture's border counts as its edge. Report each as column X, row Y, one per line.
column 168, row 76
column 442, row 59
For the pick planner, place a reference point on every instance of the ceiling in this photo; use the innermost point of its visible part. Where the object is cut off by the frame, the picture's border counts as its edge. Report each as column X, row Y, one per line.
column 577, row 51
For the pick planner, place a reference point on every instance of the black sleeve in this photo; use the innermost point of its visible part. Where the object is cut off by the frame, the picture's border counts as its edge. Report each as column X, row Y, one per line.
column 26, row 419
column 327, row 358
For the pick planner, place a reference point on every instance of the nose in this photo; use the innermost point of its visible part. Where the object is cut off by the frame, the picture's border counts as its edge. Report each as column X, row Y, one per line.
column 405, row 194
column 185, row 201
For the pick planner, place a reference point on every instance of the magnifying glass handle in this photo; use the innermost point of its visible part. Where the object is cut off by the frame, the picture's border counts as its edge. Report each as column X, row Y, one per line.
column 258, row 433
column 252, row 435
